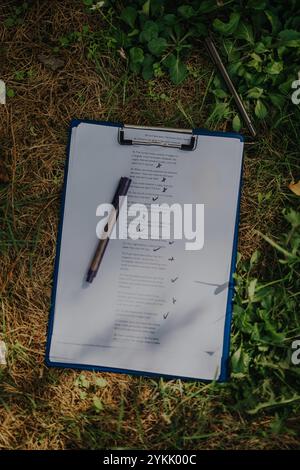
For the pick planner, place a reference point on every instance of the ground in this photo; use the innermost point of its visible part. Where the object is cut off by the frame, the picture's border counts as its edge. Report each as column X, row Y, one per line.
column 48, row 408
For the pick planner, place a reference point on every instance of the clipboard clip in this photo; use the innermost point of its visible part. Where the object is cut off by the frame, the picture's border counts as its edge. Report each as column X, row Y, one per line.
column 123, row 141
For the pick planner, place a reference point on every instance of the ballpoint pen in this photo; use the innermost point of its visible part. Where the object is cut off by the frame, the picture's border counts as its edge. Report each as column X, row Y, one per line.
column 122, row 190
column 219, row 64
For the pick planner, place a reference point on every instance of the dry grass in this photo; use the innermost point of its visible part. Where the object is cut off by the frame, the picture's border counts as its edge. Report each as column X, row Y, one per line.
column 44, row 408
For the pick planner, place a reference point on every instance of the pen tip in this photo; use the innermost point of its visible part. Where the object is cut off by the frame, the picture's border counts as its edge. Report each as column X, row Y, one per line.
column 90, row 276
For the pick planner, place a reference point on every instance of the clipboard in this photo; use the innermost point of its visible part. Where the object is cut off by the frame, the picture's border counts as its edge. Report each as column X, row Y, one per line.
column 122, row 137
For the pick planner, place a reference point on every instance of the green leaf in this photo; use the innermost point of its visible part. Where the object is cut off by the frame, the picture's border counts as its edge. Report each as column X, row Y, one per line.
column 132, row 33
column 156, row 7
column 233, row 68
column 274, row 20
column 178, row 72
column 136, row 55
column 146, row 8
column 236, row 123
column 220, row 111
column 219, row 93
column 281, row 50
column 293, row 217
column 178, row 30
column 217, row 82
column 157, row 46
column 274, row 335
column 256, row 62
column 169, row 19
column 207, row 6
column 233, row 54
column 101, row 382
column 254, row 258
column 82, row 381
column 277, row 100
column 267, row 41
column 10, row 93
column 150, row 31
column 273, row 403
column 274, row 68
column 260, row 110
column 229, row 27
column 135, row 67
column 255, row 92
column 9, row 22
column 260, row 48
column 147, row 70
column 285, row 87
column 169, row 61
column 290, row 38
column 250, row 78
column 251, row 289
column 129, row 15
column 136, row 59
column 244, row 31
column 241, row 71
column 240, row 361
column 186, row 11
column 97, row 404
column 257, row 4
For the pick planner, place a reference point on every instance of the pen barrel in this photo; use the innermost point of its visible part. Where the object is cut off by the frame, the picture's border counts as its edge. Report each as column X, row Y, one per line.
column 100, row 250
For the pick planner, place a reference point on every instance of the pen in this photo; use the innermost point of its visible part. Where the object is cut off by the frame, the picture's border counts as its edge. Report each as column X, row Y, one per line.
column 240, row 105
column 122, row 190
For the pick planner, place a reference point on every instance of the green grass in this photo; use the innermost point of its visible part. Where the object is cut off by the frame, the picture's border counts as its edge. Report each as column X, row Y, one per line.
column 43, row 408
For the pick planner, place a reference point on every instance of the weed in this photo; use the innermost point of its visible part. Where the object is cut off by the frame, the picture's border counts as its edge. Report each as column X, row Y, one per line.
column 260, row 42
column 17, row 16
column 265, row 324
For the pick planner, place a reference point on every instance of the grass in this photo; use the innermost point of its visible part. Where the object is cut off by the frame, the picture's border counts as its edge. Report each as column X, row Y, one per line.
column 42, row 408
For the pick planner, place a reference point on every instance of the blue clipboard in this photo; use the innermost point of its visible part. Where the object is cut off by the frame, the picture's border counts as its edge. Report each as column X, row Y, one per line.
column 224, row 373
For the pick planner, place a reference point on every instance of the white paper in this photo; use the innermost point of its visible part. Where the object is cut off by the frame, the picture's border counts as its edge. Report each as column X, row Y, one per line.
column 3, row 352
column 127, row 318
column 2, row 92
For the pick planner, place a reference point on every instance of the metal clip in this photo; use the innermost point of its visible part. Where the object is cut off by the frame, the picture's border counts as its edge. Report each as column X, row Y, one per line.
column 123, row 141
